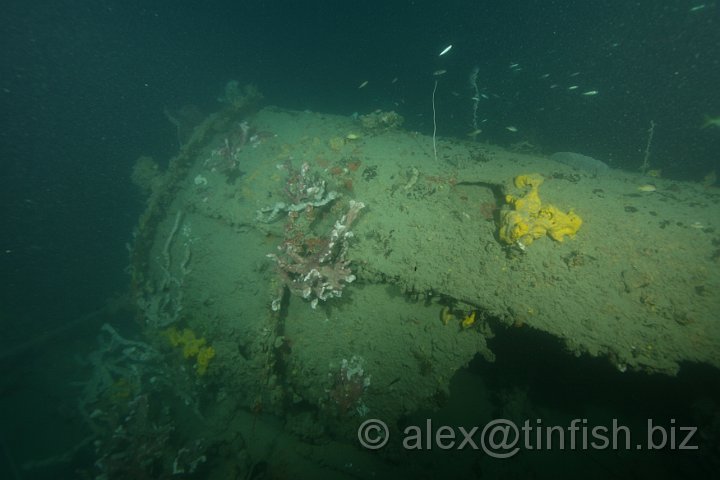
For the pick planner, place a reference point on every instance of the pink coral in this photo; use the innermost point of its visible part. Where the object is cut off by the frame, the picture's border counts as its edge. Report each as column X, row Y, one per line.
column 318, row 273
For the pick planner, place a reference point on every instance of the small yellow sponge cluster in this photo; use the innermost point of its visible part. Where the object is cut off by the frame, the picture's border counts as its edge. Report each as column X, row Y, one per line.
column 192, row 347
column 528, row 219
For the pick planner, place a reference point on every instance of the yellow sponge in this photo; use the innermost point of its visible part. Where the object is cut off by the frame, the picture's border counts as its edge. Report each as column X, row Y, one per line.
column 526, row 219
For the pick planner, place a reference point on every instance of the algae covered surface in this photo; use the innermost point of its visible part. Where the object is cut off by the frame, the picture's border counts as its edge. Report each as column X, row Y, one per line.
column 636, row 283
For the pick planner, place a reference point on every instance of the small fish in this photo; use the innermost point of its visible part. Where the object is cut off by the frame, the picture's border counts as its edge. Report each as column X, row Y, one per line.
column 709, row 179
column 575, row 74
column 711, row 122
column 656, row 173
column 573, row 87
column 445, row 50
column 647, row 188
column 511, row 129
column 544, row 76
column 437, row 73
column 474, row 133
column 590, row 93
column 394, row 80
column 697, row 7
column 363, row 84
column 514, row 65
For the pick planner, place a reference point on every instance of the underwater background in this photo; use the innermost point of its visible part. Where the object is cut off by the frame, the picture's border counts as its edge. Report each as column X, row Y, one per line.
column 90, row 86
